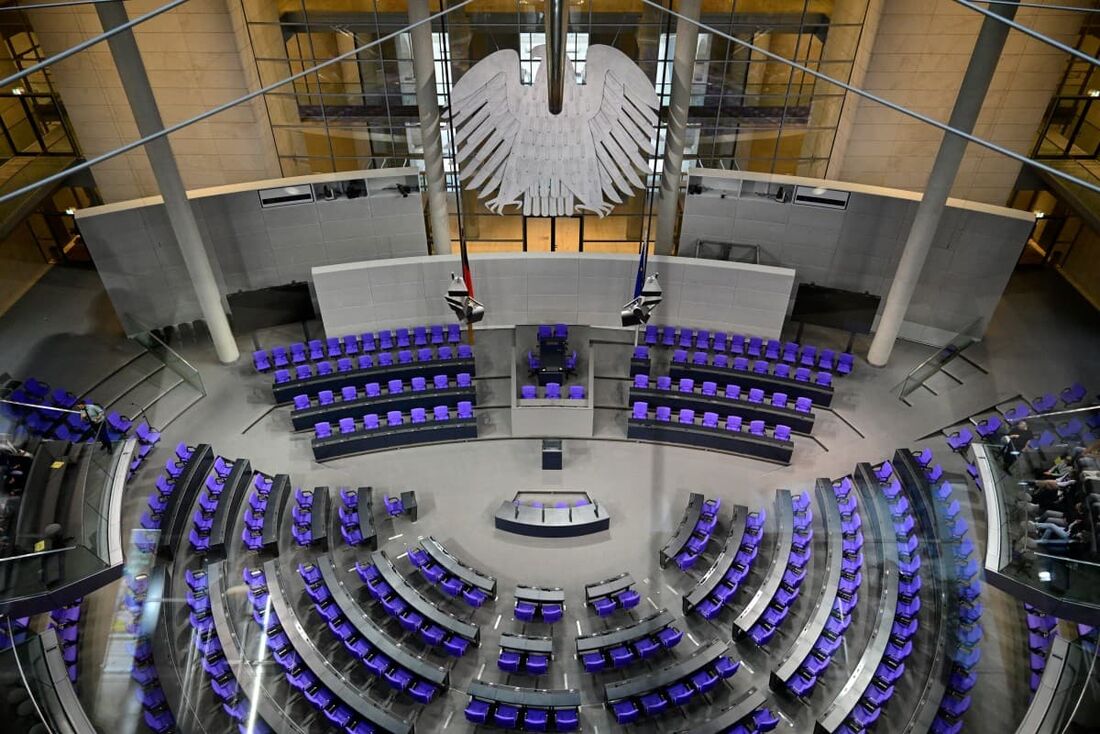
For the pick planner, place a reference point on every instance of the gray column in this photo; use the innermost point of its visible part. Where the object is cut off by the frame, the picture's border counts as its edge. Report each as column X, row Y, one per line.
column 683, row 67
column 135, row 82
column 556, row 21
column 427, row 102
column 968, row 103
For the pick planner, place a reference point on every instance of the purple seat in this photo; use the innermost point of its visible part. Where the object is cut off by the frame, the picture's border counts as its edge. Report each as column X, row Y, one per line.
column 756, row 395
column 576, row 392
column 709, row 388
column 651, row 334
column 394, row 418
column 385, row 359
column 733, row 423
column 439, row 382
column 687, row 416
column 348, row 393
column 721, row 360
column 741, row 363
column 395, row 386
column 419, row 384
column 779, row 399
column 303, row 372
column 424, row 355
column 553, row 390
column 754, row 346
column 465, row 409
column 528, row 392
column 347, row 425
column 824, row 379
column 803, row 405
column 465, row 351
column 365, row 361
column 756, row 428
column 446, row 352
column 322, row 430
column 710, row 419
column 301, row 402
column 679, row 356
column 782, row 370
column 687, row 384
column 733, row 392
column 641, row 410
column 663, row 413
column 760, row 367
column 641, row 352
column 802, row 374
column 370, row 421
column 664, row 382
column 641, row 381
column 699, row 358
column 418, row 415
column 261, row 361
column 782, row 433
column 344, row 364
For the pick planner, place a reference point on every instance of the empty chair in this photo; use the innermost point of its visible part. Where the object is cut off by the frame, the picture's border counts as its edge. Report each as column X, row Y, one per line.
column 465, row 409
column 760, row 367
column 650, row 334
column 322, row 430
column 756, row 428
column 261, row 360
column 641, row 410
column 419, row 384
column 663, row 413
column 771, row 349
column 710, row 419
column 664, row 382
column 824, row 379
column 347, row 425
column 699, row 358
column 419, row 415
column 553, row 390
column 687, row 384
column 316, row 349
column 733, row 423
column 528, row 392
column 344, row 364
column 640, row 352
column 393, row 418
column 686, row 335
column 721, row 360
column 325, row 397
column 370, row 421
column 576, row 392
column 445, row 352
column 756, row 395
column 679, row 356
column 782, row 433
column 741, row 363
column 802, row 374
column 687, row 415
column 395, row 386
column 365, row 361
column 303, row 372
column 385, row 359
column 754, row 346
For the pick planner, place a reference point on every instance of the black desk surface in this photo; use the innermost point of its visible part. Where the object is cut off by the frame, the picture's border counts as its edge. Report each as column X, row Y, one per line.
column 285, row 392
column 768, row 383
column 405, row 401
column 790, row 661
column 455, row 567
column 883, row 529
column 177, row 515
column 545, row 698
column 412, row 597
column 314, row 661
column 365, row 509
column 742, row 443
column 407, row 434
column 551, row 367
column 277, row 500
column 551, row 522
column 268, row 712
column 368, row 630
column 63, row 708
column 730, row 717
column 642, row 684
column 798, row 421
column 229, row 505
column 623, row 635
column 784, row 534
column 722, row 563
column 540, row 594
column 524, row 643
column 320, row 515
column 679, row 539
column 607, row 587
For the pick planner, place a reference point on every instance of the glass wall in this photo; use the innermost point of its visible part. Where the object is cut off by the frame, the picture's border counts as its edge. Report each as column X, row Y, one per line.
column 747, row 111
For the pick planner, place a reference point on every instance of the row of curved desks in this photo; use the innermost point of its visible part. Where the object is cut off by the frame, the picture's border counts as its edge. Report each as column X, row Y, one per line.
column 284, row 392
column 624, row 635
column 882, row 527
column 819, row 394
column 544, row 698
column 791, row 661
column 229, row 506
column 640, row 685
column 373, row 634
column 414, row 599
column 784, row 537
column 248, row 682
column 48, row 682
column 798, row 421
column 276, row 511
column 540, row 594
column 716, row 573
column 692, row 512
column 698, row 436
column 551, row 522
column 405, row 401
column 176, row 518
column 527, row 643
column 607, row 587
column 363, row 440
column 944, row 590
column 455, row 567
column 312, row 659
column 730, row 717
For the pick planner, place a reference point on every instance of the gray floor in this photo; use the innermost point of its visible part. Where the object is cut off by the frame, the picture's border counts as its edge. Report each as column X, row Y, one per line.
column 1042, row 338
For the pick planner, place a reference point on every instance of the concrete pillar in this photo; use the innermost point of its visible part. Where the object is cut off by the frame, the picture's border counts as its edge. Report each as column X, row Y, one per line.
column 427, row 103
column 139, row 93
column 683, row 67
column 968, row 103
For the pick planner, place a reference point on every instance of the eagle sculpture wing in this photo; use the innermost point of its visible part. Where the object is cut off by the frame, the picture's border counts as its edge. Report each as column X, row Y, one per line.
column 552, row 165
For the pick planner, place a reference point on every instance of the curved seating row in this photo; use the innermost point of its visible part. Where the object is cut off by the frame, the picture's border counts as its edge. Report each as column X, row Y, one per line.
column 525, row 653
column 174, row 493
column 350, row 402
column 751, row 346
column 693, row 534
column 374, row 435
column 731, row 567
column 539, row 603
column 351, row 344
column 752, row 404
column 218, row 507
column 747, row 715
column 255, row 511
column 403, row 672
column 54, row 418
column 709, row 433
column 1040, row 634
column 779, row 579
column 305, row 669
column 560, row 521
column 453, row 577
column 310, row 515
column 533, row 709
column 356, row 513
column 157, row 714
column 415, row 613
column 812, row 651
column 609, row 595
column 382, row 367
column 765, row 614
column 621, row 646
column 211, row 648
column 796, row 384
column 651, row 693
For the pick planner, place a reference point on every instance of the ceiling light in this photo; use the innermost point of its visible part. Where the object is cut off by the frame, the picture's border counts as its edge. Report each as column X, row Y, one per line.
column 1039, row 214
column 819, row 190
column 70, row 211
column 18, row 91
column 1094, row 92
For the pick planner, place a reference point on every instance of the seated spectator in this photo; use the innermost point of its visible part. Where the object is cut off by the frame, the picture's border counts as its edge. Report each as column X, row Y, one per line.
column 1015, row 442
